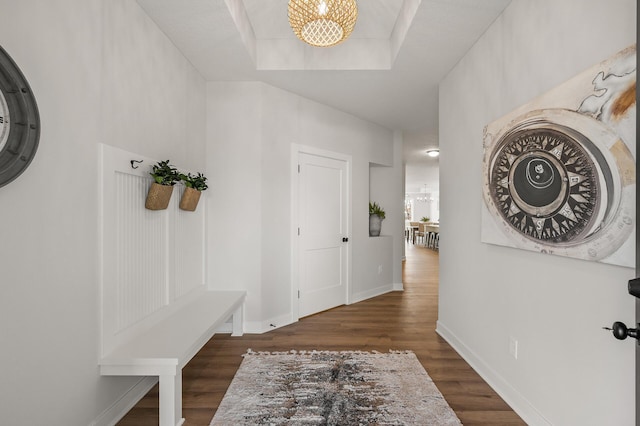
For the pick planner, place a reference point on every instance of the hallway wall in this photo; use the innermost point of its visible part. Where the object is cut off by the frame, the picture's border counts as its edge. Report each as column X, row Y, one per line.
column 101, row 72
column 568, row 371
column 251, row 129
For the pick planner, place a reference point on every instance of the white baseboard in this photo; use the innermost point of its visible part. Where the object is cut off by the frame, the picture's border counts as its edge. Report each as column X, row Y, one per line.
column 512, row 397
column 364, row 295
column 276, row 322
column 253, row 327
column 398, row 286
column 260, row 327
column 122, row 406
column 226, row 328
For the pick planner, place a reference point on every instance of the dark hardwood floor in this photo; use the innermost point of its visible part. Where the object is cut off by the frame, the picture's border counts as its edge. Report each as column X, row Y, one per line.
column 398, row 320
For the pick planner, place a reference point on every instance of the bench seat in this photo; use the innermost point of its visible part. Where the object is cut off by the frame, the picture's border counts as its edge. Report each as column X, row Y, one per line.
column 164, row 349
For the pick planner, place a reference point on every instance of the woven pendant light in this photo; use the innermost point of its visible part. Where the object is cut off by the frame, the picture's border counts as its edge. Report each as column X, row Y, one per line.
column 322, row 23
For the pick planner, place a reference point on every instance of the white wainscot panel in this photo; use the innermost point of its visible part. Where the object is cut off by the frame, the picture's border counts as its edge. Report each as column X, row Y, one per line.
column 152, row 261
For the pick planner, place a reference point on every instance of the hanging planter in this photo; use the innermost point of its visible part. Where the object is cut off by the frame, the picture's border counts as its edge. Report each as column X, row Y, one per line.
column 194, row 185
column 189, row 200
column 159, row 195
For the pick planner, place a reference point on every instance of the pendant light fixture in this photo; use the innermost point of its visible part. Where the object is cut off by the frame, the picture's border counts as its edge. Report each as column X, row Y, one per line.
column 322, row 23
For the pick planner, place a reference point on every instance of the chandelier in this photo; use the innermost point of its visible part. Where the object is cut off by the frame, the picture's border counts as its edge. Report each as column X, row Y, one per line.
column 322, row 23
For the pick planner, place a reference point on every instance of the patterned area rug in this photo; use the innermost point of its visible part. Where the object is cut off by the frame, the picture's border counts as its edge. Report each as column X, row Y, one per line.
column 333, row 388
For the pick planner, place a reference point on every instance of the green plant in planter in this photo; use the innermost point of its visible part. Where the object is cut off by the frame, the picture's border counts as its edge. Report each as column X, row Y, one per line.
column 165, row 174
column 197, row 182
column 194, row 185
column 425, row 219
column 374, row 208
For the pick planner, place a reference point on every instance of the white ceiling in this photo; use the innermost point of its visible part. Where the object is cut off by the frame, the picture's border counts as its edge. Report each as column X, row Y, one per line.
column 227, row 39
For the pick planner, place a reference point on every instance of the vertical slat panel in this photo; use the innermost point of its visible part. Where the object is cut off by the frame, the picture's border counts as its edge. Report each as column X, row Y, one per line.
column 189, row 248
column 149, row 259
column 141, row 255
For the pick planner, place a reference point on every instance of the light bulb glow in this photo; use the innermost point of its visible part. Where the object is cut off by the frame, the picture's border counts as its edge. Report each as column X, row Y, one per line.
column 322, row 8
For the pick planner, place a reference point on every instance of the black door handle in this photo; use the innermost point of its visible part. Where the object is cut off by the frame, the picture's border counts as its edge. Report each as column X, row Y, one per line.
column 621, row 332
column 634, row 287
column 345, row 239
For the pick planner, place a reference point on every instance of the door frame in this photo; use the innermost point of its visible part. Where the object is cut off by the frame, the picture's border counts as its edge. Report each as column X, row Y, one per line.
column 637, row 322
column 296, row 150
column 637, row 364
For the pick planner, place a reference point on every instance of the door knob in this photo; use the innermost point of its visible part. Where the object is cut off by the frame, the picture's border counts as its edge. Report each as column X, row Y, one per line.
column 345, row 239
column 634, row 287
column 621, row 332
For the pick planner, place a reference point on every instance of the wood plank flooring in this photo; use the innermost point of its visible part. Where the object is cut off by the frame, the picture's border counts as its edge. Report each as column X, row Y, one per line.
column 397, row 320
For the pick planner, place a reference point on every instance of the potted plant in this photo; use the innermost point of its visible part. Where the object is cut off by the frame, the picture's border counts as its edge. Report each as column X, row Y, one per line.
column 376, row 216
column 425, row 219
column 165, row 176
column 194, row 185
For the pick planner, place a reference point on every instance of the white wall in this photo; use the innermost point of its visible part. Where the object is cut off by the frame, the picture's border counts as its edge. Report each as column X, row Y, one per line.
column 49, row 293
column 421, row 169
column 422, row 175
column 251, row 128
column 424, row 204
column 153, row 98
column 235, row 195
column 569, row 371
column 386, row 188
column 425, row 176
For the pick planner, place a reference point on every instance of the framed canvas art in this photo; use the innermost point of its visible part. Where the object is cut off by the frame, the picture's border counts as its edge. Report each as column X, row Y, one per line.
column 559, row 172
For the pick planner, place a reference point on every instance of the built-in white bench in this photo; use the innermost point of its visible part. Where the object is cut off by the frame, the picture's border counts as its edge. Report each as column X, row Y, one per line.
column 165, row 348
column 156, row 309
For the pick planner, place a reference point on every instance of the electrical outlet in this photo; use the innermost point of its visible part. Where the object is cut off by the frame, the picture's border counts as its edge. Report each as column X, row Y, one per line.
column 513, row 347
column 379, row 269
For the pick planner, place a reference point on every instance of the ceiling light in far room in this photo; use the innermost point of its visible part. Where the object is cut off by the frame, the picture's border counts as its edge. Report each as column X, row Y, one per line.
column 433, row 152
column 322, row 23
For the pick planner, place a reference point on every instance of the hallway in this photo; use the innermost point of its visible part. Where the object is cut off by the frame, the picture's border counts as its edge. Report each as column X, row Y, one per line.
column 397, row 320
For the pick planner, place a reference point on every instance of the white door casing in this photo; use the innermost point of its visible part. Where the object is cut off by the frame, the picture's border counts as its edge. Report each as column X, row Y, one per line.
column 321, row 248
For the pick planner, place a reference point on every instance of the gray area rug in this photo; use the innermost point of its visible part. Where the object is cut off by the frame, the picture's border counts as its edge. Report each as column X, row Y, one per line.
column 333, row 388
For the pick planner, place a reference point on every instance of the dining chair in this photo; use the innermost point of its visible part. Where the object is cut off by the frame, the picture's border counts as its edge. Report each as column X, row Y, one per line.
column 417, row 235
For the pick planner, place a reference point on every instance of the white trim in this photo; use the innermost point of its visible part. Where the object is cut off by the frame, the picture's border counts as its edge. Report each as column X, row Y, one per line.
column 253, row 327
column 374, row 292
column 261, row 327
column 511, row 396
column 296, row 150
column 226, row 328
column 295, row 310
column 276, row 322
column 398, row 286
column 112, row 415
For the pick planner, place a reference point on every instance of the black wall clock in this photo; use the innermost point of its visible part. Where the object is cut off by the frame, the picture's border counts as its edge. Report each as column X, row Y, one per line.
column 19, row 121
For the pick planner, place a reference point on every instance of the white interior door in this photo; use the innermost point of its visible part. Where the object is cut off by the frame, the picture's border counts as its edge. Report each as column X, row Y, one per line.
column 322, row 235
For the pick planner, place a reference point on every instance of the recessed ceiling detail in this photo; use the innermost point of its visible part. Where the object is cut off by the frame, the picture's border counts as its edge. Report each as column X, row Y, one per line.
column 413, row 54
column 374, row 44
